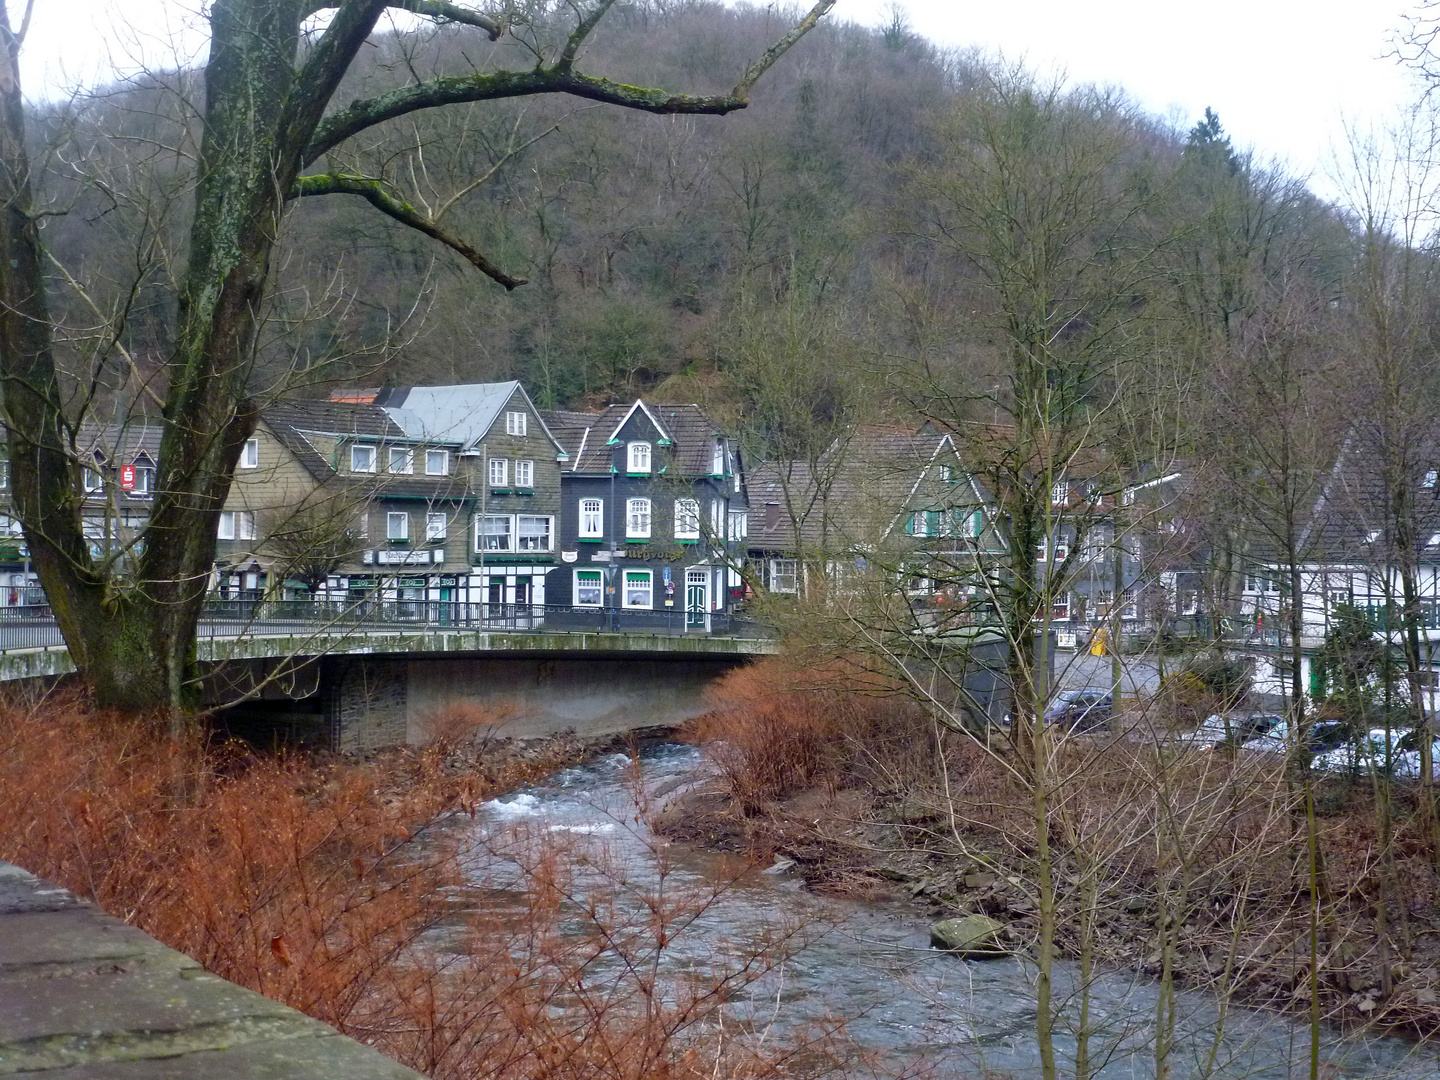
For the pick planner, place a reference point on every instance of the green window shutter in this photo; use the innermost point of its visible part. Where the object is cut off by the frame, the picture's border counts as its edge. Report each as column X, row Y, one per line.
column 909, row 524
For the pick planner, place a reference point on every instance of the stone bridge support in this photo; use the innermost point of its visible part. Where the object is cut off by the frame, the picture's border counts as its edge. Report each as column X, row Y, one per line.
column 373, row 702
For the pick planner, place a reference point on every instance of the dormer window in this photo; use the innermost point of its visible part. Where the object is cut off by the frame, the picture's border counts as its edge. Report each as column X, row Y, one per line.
column 515, row 423
column 1372, row 536
column 1430, row 478
column 362, row 458
column 637, row 458
column 717, row 459
column 1060, row 493
column 91, row 481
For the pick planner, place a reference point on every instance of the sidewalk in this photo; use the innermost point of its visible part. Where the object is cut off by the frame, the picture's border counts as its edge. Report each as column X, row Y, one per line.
column 84, row 996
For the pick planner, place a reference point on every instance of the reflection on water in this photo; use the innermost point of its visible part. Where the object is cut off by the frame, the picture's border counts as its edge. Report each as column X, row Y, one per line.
column 871, row 964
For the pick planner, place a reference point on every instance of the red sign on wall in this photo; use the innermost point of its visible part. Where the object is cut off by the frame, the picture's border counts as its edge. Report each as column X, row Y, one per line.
column 127, row 478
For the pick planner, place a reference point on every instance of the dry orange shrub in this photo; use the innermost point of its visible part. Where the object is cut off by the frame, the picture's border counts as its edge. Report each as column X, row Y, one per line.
column 345, row 890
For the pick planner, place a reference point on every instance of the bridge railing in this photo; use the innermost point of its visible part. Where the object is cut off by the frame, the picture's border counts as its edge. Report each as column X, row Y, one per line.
column 30, row 627
column 226, row 618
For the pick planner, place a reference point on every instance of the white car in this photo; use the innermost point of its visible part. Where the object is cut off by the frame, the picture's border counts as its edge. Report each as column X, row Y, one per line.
column 1234, row 728
column 1363, row 754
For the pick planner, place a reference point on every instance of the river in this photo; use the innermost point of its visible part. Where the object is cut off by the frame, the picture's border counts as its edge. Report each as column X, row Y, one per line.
column 870, row 963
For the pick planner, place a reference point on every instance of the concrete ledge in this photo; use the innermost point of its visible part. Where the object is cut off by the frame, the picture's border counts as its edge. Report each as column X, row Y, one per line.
column 55, row 660
column 84, row 995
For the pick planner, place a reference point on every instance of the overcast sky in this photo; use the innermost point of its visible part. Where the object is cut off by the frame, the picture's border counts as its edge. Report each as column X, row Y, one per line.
column 1284, row 75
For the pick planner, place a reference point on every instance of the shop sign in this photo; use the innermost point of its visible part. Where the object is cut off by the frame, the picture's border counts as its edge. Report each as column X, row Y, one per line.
column 446, row 581
column 410, row 582
column 127, row 478
column 569, row 556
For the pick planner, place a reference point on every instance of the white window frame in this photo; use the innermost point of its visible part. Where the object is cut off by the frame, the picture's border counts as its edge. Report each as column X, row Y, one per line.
column 4, row 475
column 717, row 458
column 783, row 568
column 144, row 477
column 596, row 576
column 437, row 526
column 1060, row 607
column 397, row 525
column 522, row 521
column 1060, row 492
column 440, row 456
column 738, row 525
column 362, row 525
column 245, row 524
column 503, row 465
column 649, row 578
column 91, row 480
column 1432, row 476
column 687, row 519
column 357, row 452
column 525, row 474
column 591, row 518
column 638, row 519
column 250, row 454
column 480, row 533
column 516, row 423
column 225, row 528
column 638, row 457
column 406, row 458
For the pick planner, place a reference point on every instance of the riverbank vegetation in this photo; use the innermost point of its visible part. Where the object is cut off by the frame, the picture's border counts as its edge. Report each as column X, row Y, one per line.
column 1189, row 864
column 363, row 894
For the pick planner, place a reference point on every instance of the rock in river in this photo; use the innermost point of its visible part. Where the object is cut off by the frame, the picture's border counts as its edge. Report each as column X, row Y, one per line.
column 969, row 935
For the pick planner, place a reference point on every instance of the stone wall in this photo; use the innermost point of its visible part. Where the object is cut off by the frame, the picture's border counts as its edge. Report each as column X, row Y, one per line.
column 368, row 704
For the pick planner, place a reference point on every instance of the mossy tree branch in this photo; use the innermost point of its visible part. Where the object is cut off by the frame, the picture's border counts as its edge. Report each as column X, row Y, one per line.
column 559, row 78
column 377, row 194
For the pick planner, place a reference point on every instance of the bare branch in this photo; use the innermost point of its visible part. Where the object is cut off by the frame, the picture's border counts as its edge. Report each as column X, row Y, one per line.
column 376, row 194
column 434, row 9
column 582, row 31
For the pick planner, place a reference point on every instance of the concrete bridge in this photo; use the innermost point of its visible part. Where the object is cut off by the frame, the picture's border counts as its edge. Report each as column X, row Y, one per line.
column 361, row 678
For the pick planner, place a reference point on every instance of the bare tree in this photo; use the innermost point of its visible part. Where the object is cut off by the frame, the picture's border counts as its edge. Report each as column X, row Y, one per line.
column 267, row 118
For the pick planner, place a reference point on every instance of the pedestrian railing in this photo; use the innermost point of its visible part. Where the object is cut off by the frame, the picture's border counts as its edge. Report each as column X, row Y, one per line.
column 25, row 628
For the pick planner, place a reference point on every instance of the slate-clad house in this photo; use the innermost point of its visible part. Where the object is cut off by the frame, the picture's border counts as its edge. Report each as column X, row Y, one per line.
column 445, row 496
column 653, row 517
column 117, row 481
column 511, row 461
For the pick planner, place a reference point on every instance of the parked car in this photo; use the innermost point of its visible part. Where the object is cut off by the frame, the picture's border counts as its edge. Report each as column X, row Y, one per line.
column 1406, row 764
column 1234, row 729
column 1080, row 710
column 1323, row 736
column 1369, row 751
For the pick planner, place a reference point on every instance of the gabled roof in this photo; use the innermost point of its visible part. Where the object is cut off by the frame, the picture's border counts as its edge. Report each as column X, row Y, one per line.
column 852, row 494
column 1355, row 518
column 587, row 437
column 640, row 404
column 460, row 415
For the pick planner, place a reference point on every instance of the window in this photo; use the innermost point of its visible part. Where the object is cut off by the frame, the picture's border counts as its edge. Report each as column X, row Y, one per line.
column 639, row 590
column 1372, row 536
column 362, row 458
column 1189, row 601
column 515, row 423
column 637, row 518
column 4, row 475
column 250, row 454
column 589, row 588
column 144, row 480
column 524, row 474
column 687, row 519
column 1431, row 477
column 1127, row 604
column 91, row 480
column 637, row 458
column 437, row 462
column 739, row 525
column 236, row 525
column 916, row 525
column 397, row 526
column 493, row 533
column 592, row 517
column 947, row 474
column 402, row 460
column 783, row 575
column 717, row 459
column 362, row 525
column 534, row 532
column 1060, row 608
column 499, row 471
column 1060, row 492
column 436, row 526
